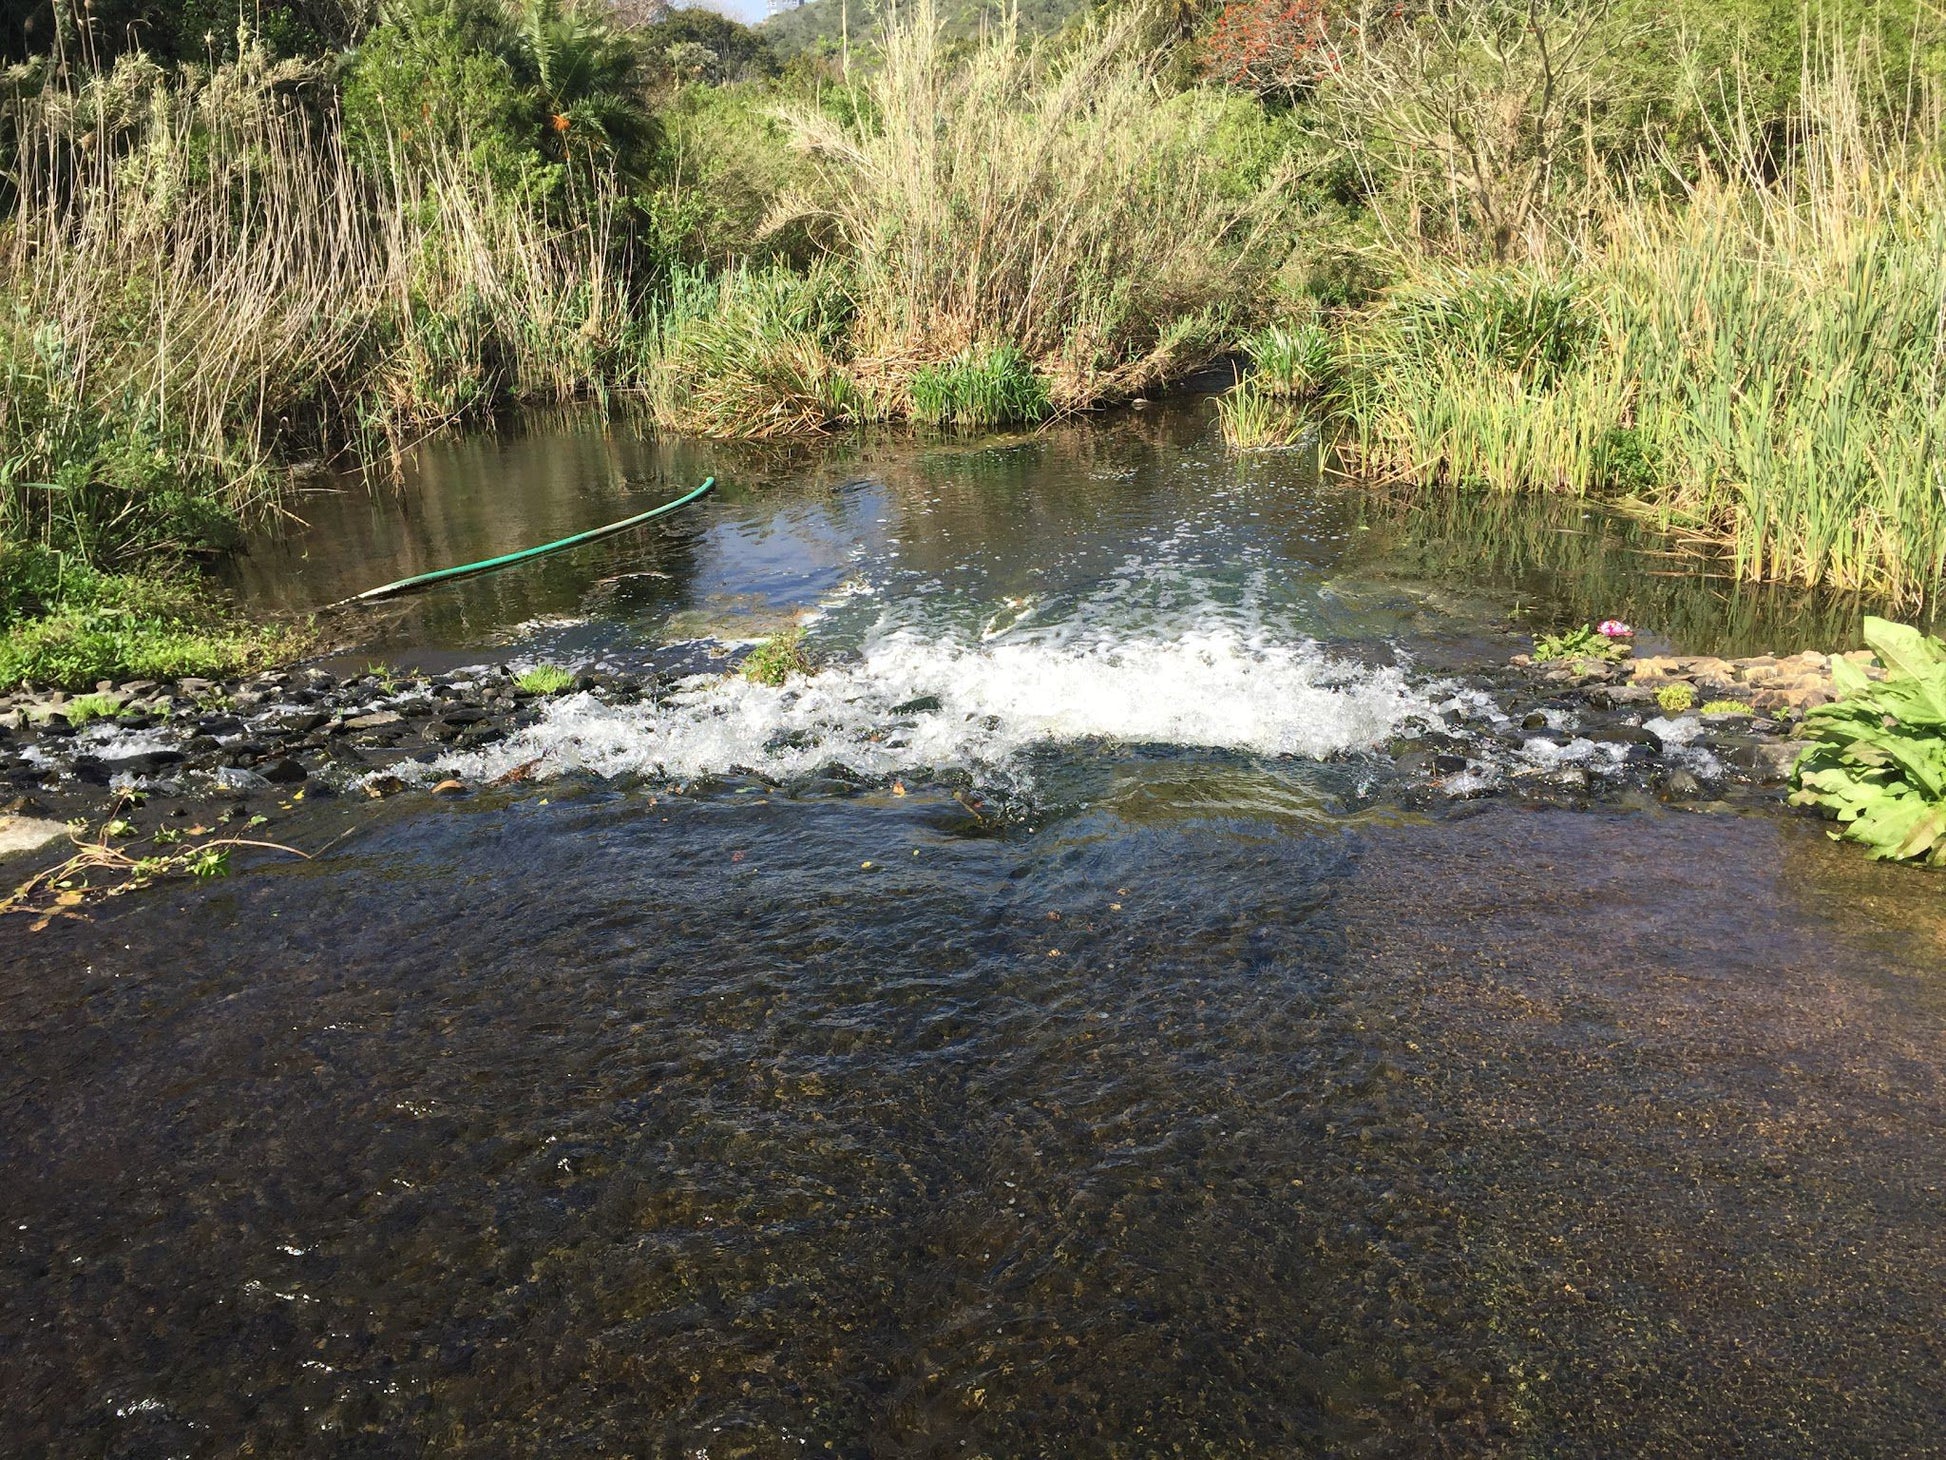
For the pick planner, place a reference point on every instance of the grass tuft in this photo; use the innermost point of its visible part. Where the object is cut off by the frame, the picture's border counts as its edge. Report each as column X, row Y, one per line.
column 980, row 386
column 776, row 659
column 544, row 679
column 1295, row 361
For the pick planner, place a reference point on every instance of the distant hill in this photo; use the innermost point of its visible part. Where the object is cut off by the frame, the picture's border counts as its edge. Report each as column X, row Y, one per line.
column 817, row 26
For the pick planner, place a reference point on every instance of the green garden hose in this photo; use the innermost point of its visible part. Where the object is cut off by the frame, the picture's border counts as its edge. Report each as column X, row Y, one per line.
column 507, row 560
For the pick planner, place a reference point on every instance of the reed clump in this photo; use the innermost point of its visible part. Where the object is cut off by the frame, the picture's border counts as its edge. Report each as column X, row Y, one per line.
column 1255, row 419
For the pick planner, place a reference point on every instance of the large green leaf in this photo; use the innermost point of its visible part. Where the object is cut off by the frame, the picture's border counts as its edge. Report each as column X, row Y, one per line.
column 1877, row 759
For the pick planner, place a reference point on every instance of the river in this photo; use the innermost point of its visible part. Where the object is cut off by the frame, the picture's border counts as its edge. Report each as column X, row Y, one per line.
column 1046, row 1032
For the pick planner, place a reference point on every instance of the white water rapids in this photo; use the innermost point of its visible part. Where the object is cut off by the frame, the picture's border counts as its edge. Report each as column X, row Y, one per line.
column 911, row 699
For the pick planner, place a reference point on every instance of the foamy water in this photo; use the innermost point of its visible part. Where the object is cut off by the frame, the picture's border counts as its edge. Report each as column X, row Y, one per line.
column 911, row 699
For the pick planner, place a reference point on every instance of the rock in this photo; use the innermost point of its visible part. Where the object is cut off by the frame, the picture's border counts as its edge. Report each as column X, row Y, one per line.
column 194, row 688
column 1681, row 783
column 1535, row 721
column 1770, row 760
column 449, row 788
column 383, row 786
column 284, row 772
column 303, row 722
column 23, row 834
column 1627, row 735
column 373, row 720
column 1449, row 765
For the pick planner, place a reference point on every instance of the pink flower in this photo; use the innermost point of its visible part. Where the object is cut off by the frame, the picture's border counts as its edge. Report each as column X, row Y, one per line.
column 1614, row 628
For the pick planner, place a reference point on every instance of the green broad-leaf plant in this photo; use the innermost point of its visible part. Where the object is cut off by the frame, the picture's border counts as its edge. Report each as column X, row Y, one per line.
column 1877, row 761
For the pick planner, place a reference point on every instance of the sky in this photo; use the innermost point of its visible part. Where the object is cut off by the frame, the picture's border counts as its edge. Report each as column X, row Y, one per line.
column 747, row 11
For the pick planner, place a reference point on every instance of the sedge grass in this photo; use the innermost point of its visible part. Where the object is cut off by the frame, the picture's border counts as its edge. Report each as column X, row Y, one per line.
column 1757, row 363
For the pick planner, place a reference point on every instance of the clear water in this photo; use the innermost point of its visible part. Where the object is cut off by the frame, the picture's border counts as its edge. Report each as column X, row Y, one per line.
column 746, row 1086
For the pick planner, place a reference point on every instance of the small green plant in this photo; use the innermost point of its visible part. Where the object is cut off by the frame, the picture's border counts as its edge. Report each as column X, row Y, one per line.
column 1584, row 642
column 777, row 658
column 544, row 679
column 83, row 708
column 209, row 862
column 1255, row 421
column 1877, row 761
column 1725, row 707
column 982, row 386
column 1296, row 362
column 1677, row 698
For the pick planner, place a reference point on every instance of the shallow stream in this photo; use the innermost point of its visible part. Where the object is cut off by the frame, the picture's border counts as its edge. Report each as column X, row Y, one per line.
column 1037, row 1035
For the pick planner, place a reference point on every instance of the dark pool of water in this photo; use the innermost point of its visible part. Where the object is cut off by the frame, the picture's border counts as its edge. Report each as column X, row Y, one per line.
column 586, row 1117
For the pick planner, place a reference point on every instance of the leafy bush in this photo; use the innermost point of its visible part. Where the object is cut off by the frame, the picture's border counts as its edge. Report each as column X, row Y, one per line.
column 1878, row 758
column 981, row 386
column 524, row 89
column 1578, row 643
column 83, row 708
column 66, row 625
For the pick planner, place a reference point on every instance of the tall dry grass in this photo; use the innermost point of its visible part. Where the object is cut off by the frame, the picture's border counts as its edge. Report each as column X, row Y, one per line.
column 1045, row 198
column 199, row 282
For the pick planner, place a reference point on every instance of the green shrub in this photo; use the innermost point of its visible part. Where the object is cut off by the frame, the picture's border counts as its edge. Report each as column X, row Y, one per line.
column 1584, row 642
column 83, row 708
column 65, row 626
column 434, row 81
column 1877, row 762
column 526, row 90
column 1724, row 707
column 981, row 386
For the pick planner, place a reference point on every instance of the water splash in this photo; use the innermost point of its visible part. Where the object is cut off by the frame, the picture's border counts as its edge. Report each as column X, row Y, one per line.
column 913, row 700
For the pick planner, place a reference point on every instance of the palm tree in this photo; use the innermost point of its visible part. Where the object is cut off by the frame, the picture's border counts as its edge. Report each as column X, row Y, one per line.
column 586, row 77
